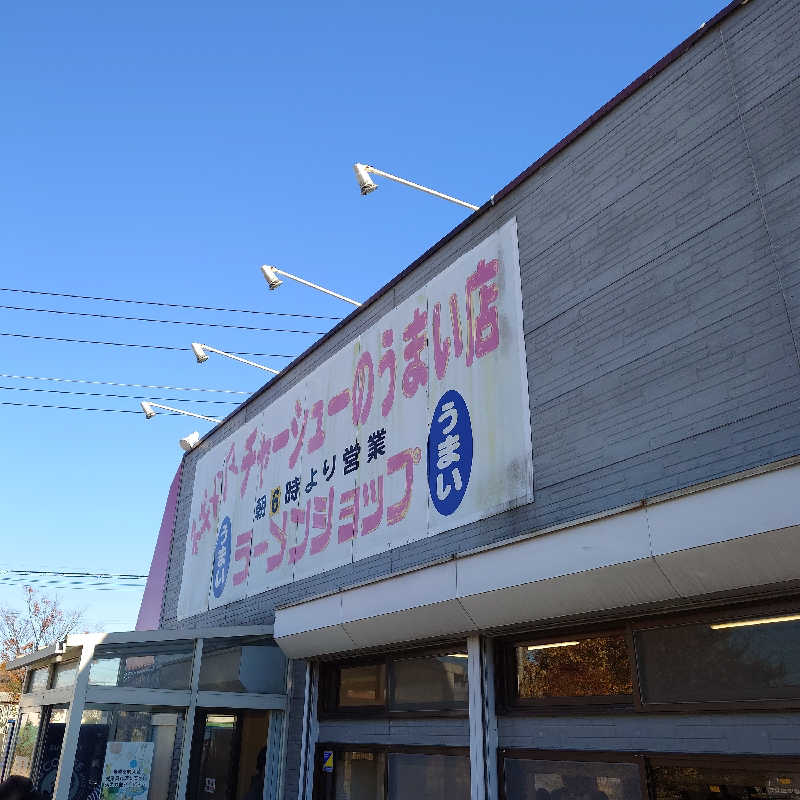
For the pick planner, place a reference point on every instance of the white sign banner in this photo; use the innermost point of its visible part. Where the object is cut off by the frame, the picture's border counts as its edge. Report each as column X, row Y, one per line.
column 419, row 426
column 126, row 771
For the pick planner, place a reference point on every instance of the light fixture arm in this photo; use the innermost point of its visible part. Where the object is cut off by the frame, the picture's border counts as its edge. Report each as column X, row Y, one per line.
column 238, row 358
column 179, row 411
column 315, row 286
column 420, row 187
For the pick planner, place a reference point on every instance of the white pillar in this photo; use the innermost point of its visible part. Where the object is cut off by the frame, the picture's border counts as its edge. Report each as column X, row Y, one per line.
column 69, row 746
column 482, row 720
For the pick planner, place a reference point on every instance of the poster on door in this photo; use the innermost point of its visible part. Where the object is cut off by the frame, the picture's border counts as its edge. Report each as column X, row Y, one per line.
column 418, row 426
column 126, row 771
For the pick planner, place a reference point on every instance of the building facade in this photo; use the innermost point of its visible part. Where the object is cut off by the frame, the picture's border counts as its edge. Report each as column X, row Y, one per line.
column 525, row 524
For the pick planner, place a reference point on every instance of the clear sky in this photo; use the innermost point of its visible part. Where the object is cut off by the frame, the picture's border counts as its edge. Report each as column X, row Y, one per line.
column 164, row 150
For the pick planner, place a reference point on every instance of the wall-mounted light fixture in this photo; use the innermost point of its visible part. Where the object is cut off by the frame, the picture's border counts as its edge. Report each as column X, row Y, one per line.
column 201, row 355
column 273, row 281
column 367, row 185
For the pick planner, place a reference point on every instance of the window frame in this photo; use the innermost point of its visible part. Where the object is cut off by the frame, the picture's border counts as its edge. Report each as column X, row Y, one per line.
column 591, row 756
column 329, row 682
column 708, row 617
column 511, row 704
column 324, row 788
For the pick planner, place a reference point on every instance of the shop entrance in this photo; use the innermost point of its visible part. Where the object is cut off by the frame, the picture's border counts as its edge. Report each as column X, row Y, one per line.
column 228, row 754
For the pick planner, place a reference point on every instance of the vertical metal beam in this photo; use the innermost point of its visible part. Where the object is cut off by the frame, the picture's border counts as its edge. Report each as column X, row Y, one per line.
column 188, row 728
column 280, row 777
column 310, row 732
column 272, row 767
column 482, row 719
column 72, row 730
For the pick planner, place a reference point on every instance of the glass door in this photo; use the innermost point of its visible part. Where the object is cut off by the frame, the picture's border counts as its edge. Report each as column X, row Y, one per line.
column 229, row 755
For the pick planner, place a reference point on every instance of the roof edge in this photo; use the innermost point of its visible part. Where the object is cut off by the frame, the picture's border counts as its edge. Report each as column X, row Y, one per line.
column 601, row 112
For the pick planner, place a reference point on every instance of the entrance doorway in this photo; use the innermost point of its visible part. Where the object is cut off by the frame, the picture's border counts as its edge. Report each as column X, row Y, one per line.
column 228, row 755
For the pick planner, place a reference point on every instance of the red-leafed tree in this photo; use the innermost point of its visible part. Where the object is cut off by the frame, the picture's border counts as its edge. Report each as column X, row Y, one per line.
column 41, row 622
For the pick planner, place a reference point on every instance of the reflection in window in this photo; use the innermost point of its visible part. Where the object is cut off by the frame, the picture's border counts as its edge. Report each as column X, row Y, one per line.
column 715, row 783
column 242, row 668
column 429, row 776
column 530, row 779
column 110, row 740
column 38, row 679
column 743, row 660
column 596, row 667
column 51, row 751
column 167, row 670
column 362, row 686
column 25, row 746
column 432, row 682
column 360, row 776
column 64, row 674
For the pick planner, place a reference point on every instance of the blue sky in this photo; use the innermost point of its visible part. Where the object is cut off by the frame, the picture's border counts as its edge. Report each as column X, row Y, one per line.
column 163, row 151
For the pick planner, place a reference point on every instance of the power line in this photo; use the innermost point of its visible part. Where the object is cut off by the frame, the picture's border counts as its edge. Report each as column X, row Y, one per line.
column 68, row 574
column 134, row 344
column 163, row 321
column 114, row 383
column 121, row 396
column 166, row 305
column 75, row 580
column 83, row 408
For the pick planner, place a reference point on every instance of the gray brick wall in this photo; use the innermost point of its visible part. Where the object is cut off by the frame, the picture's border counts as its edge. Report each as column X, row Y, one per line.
column 752, row 734
column 661, row 293
column 441, row 732
column 660, row 261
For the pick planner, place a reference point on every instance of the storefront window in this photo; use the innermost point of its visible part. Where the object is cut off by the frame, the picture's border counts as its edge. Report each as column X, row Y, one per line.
column 155, row 670
column 360, row 776
column 724, row 783
column 736, row 660
column 424, row 682
column 64, row 674
column 38, row 679
column 428, row 776
column 433, row 682
column 125, row 752
column 251, row 667
column 595, row 667
column 362, row 686
column 387, row 775
column 25, row 747
column 534, row 779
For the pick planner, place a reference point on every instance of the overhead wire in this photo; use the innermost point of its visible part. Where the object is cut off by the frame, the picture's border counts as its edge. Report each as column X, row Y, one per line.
column 134, row 344
column 82, row 408
column 166, row 305
column 163, row 321
column 118, row 396
column 115, row 383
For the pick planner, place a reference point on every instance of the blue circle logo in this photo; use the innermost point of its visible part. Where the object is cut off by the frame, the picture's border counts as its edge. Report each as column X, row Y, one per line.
column 449, row 452
column 222, row 558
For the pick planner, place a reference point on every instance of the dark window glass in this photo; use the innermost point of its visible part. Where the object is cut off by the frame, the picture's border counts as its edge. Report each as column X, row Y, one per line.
column 750, row 660
column 529, row 779
column 159, row 670
column 433, row 682
column 362, row 686
column 359, row 776
column 428, row 776
column 718, row 783
column 596, row 667
column 242, row 668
